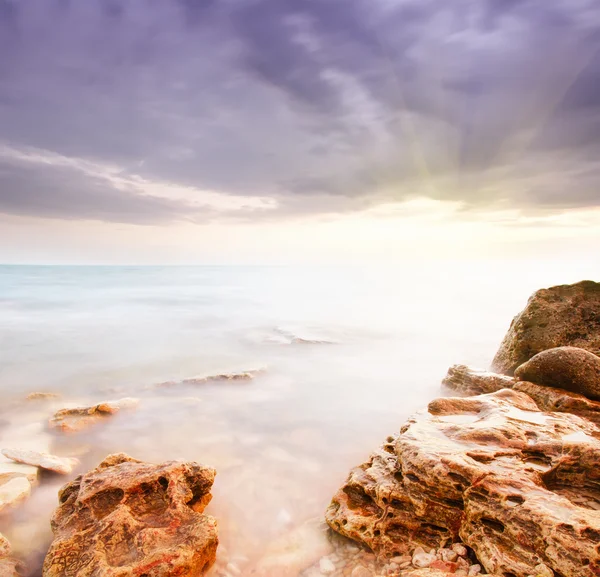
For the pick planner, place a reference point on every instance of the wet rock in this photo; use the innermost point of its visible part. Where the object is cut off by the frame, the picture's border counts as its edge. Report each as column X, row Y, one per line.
column 461, row 377
column 220, row 377
column 130, row 518
column 8, row 566
column 72, row 420
column 9, row 470
column 41, row 396
column 517, row 485
column 567, row 315
column 13, row 491
column 294, row 551
column 568, row 368
column 62, row 465
column 471, row 381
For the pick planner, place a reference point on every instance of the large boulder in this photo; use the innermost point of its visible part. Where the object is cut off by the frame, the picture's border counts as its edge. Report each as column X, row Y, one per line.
column 517, row 485
column 132, row 519
column 566, row 315
column 568, row 368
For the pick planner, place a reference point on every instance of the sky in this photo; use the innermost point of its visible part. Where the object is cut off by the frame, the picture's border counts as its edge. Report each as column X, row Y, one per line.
column 260, row 131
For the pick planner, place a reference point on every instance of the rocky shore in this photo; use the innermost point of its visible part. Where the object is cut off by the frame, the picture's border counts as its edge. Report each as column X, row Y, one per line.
column 500, row 477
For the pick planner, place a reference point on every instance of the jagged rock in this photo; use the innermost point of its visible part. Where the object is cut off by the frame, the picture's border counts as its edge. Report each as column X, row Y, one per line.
column 473, row 381
column 130, row 518
column 568, row 368
column 517, row 485
column 566, row 315
column 72, row 420
column 13, row 491
column 62, row 465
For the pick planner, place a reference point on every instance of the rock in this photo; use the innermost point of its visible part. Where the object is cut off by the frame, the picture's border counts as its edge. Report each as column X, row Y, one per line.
column 459, row 549
column 447, row 554
column 62, row 465
column 8, row 566
column 9, row 470
column 444, row 566
column 326, row 566
column 542, row 571
column 14, row 491
column 72, row 420
column 567, row 315
column 37, row 396
column 476, row 381
column 294, row 551
column 515, row 484
column 130, row 518
column 361, row 571
column 220, row 377
column 420, row 559
column 461, row 377
column 568, row 368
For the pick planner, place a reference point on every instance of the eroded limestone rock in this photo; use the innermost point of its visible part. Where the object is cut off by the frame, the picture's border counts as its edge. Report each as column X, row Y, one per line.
column 517, row 485
column 129, row 518
column 72, row 420
column 473, row 381
column 62, row 465
column 568, row 368
column 8, row 565
column 566, row 315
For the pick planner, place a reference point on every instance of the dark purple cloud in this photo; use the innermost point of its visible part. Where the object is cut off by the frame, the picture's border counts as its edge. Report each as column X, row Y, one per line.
column 299, row 100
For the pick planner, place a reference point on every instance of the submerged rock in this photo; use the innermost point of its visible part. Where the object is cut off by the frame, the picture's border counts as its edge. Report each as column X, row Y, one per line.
column 13, row 491
column 130, row 518
column 219, row 377
column 568, row 368
column 41, row 396
column 72, row 420
column 566, row 315
column 517, row 485
column 62, row 465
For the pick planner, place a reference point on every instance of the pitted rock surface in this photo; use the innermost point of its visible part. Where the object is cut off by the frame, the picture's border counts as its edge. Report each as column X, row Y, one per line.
column 566, row 315
column 127, row 518
column 517, row 485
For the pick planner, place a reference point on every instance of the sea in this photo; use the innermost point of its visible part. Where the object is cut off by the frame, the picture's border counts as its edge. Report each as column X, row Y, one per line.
column 340, row 355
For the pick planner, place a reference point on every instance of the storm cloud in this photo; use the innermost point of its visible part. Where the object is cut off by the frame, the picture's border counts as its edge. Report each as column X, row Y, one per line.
column 315, row 105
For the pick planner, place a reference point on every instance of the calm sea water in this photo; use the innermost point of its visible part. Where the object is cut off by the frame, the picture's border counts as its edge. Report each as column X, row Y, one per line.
column 281, row 443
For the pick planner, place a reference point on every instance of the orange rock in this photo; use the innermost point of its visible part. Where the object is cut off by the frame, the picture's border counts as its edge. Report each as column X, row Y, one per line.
column 130, row 519
column 517, row 485
column 73, row 420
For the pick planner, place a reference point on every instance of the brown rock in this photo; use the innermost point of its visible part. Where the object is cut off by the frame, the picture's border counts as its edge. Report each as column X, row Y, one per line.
column 464, row 379
column 8, row 566
column 473, row 381
column 41, row 396
column 566, row 315
column 568, row 368
column 517, row 485
column 72, row 420
column 127, row 518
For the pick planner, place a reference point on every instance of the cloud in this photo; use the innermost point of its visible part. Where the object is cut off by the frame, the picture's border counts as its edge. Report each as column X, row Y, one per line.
column 321, row 106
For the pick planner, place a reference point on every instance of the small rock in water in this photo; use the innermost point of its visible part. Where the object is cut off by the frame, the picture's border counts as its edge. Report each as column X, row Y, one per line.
column 326, row 566
column 73, row 420
column 459, row 549
column 14, row 491
column 62, row 465
column 40, row 396
column 361, row 571
column 421, row 559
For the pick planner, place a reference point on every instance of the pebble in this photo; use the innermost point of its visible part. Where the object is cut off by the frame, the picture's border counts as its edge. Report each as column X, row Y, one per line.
column 459, row 549
column 326, row 566
column 421, row 559
column 361, row 571
column 542, row 570
column 474, row 570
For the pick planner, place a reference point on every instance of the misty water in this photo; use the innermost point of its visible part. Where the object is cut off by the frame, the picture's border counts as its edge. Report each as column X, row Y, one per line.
column 348, row 354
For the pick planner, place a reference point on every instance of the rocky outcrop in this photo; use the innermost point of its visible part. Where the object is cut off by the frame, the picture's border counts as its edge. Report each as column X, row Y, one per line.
column 61, row 465
column 566, row 315
column 517, row 485
column 77, row 419
column 8, row 565
column 134, row 519
column 470, row 381
column 568, row 368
